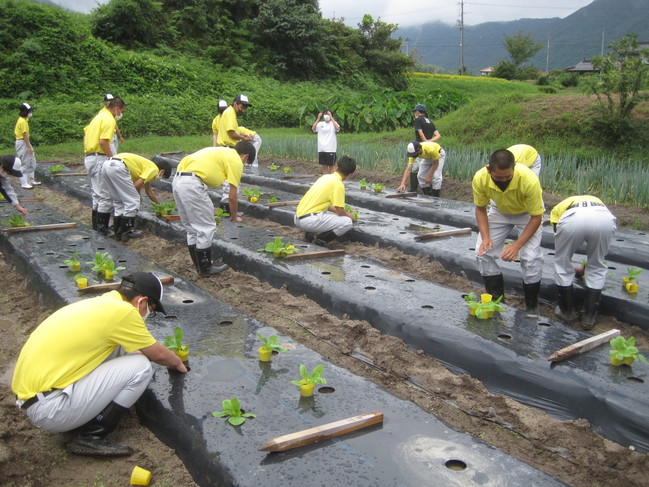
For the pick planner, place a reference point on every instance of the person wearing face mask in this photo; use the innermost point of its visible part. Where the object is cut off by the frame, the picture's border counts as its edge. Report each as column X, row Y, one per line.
column 518, row 199
column 118, row 134
column 326, row 127
column 90, row 361
column 97, row 138
column 24, row 148
column 123, row 177
column 10, row 166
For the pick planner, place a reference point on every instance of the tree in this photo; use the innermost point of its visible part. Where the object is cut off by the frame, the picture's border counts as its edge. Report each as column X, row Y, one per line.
column 521, row 47
column 130, row 23
column 623, row 73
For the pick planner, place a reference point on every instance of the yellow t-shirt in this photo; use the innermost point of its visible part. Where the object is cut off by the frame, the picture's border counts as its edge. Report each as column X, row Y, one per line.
column 76, row 339
column 139, row 167
column 214, row 165
column 215, row 124
column 524, row 154
column 429, row 150
column 228, row 122
column 523, row 194
column 22, row 126
column 100, row 127
column 558, row 211
column 327, row 190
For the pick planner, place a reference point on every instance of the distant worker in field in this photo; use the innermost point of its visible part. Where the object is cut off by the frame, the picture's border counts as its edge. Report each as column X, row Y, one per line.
column 578, row 220
column 196, row 173
column 84, row 366
column 221, row 106
column 519, row 204
column 118, row 134
column 229, row 131
column 123, row 177
column 425, row 131
column 326, row 127
column 321, row 211
column 97, row 138
column 430, row 157
column 10, row 166
column 24, row 148
column 528, row 156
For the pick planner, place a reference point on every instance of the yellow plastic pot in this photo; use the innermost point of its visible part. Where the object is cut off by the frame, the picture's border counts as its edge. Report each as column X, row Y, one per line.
column 140, row 476
column 616, row 361
column 109, row 275
column 277, row 254
column 75, row 267
column 265, row 355
column 472, row 310
column 306, row 390
column 183, row 353
column 486, row 314
column 631, row 287
column 82, row 282
column 485, row 298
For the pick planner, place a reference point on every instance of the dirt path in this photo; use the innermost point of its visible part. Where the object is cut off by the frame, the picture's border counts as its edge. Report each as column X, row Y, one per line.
column 566, row 449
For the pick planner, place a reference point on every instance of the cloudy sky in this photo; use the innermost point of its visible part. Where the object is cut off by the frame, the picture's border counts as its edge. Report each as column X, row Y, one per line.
column 412, row 13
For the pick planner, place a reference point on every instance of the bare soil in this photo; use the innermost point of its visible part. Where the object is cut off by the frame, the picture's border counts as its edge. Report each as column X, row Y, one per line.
column 568, row 450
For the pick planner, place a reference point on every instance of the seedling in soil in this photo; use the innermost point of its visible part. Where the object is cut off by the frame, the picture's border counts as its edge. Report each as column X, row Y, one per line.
column 73, row 263
column 624, row 351
column 269, row 345
column 272, row 199
column 315, row 377
column 81, row 280
column 16, row 221
column 175, row 344
column 232, row 410
column 354, row 212
column 99, row 264
column 378, row 187
column 273, row 167
column 56, row 168
column 219, row 215
column 278, row 248
column 631, row 279
column 483, row 310
column 110, row 270
column 287, row 170
column 253, row 194
column 363, row 183
column 164, row 208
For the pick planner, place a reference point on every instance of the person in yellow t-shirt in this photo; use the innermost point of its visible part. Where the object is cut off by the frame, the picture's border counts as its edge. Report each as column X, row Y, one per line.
column 220, row 107
column 196, row 173
column 117, row 137
column 321, row 211
column 528, row 156
column 24, row 148
column 230, row 132
column 517, row 193
column 80, row 367
column 430, row 158
column 578, row 220
column 123, row 177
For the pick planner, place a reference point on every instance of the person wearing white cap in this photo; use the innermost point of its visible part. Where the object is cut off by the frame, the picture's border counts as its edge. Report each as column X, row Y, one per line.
column 24, row 148
column 118, row 134
column 220, row 107
column 90, row 361
column 229, row 131
column 431, row 158
column 10, row 166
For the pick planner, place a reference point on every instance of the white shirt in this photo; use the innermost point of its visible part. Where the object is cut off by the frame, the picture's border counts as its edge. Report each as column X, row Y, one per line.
column 326, row 136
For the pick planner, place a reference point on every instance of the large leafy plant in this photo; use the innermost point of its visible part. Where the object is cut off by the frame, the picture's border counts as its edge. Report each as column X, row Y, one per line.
column 232, row 410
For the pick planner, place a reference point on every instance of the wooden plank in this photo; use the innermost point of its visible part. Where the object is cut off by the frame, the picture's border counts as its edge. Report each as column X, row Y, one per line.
column 67, row 174
column 31, row 228
column 26, row 199
column 445, row 233
column 419, row 228
column 401, row 195
column 172, row 217
column 324, row 432
column 282, row 203
column 109, row 286
column 584, row 345
column 315, row 255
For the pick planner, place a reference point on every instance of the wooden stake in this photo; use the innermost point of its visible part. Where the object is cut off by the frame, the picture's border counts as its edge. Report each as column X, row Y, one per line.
column 420, row 228
column 445, row 233
column 172, row 217
column 401, row 195
column 583, row 346
column 326, row 431
column 282, row 203
column 315, row 255
column 27, row 199
column 31, row 228
column 109, row 286
column 67, row 174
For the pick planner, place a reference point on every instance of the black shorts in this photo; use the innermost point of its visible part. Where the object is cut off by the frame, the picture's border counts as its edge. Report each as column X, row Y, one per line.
column 327, row 158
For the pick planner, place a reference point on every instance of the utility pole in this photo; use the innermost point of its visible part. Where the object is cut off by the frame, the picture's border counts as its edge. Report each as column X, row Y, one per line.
column 547, row 59
column 462, row 38
column 602, row 50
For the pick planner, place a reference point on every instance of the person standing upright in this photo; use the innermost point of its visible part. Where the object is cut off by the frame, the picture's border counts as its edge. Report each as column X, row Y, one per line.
column 24, row 148
column 425, row 131
column 326, row 127
column 97, row 138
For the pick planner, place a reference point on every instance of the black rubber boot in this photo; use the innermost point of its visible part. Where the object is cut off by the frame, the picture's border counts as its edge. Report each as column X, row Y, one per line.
column 591, row 306
column 117, row 221
column 309, row 237
column 192, row 254
column 103, row 219
column 205, row 267
column 428, row 191
column 566, row 309
column 128, row 232
column 414, row 182
column 92, row 435
column 435, row 192
column 495, row 285
column 322, row 239
column 94, row 219
column 531, row 292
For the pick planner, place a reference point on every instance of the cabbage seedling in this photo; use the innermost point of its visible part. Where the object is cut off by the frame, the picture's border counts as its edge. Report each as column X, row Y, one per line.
column 232, row 410
column 378, row 187
column 624, row 351
column 56, row 168
column 315, row 377
column 278, row 248
column 271, row 343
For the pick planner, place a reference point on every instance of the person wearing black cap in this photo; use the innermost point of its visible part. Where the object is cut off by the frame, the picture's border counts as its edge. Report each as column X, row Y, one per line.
column 79, row 370
column 431, row 157
column 10, row 166
column 24, row 148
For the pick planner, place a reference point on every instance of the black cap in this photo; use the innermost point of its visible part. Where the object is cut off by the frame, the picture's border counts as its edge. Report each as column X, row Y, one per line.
column 12, row 165
column 419, row 108
column 147, row 284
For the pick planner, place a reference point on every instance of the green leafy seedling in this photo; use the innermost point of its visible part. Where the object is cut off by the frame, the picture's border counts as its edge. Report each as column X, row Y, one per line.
column 354, row 212
column 109, row 265
column 273, row 167
column 175, row 342
column 15, row 221
column 363, row 183
column 315, row 377
column 378, row 187
column 278, row 248
column 219, row 215
column 482, row 308
column 232, row 410
column 56, row 168
column 74, row 260
column 164, row 208
column 99, row 264
column 287, row 170
column 625, row 351
column 271, row 343
column 272, row 199
column 633, row 273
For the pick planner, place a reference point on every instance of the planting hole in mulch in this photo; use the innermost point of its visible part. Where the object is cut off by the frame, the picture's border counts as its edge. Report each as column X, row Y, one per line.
column 455, row 465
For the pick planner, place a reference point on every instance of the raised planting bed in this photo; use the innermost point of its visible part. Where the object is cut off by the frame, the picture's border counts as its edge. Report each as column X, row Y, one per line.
column 410, row 447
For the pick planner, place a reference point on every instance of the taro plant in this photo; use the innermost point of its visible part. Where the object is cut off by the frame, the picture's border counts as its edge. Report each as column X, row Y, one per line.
column 363, row 183
column 624, row 351
column 253, row 194
column 273, row 167
column 315, row 377
column 16, row 220
column 631, row 279
column 354, row 212
column 232, row 411
column 99, row 264
column 73, row 263
column 164, row 208
column 219, row 215
column 56, row 168
column 378, row 187
column 278, row 248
